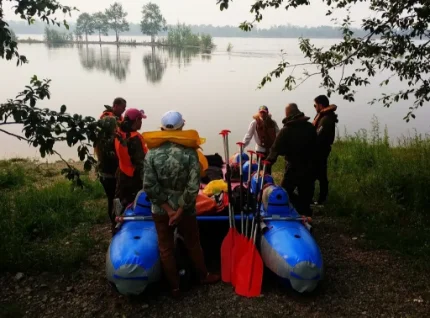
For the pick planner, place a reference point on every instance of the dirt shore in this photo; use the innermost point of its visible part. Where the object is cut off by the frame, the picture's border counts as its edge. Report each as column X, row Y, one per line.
column 359, row 283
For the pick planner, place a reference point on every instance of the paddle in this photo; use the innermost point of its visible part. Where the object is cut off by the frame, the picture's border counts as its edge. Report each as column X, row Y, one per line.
column 248, row 191
column 241, row 241
column 229, row 241
column 250, row 277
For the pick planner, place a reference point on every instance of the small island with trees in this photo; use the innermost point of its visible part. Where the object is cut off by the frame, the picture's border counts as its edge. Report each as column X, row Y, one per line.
column 114, row 19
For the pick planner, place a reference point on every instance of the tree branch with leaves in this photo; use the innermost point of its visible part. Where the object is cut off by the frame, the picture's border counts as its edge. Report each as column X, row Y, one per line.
column 396, row 42
column 41, row 127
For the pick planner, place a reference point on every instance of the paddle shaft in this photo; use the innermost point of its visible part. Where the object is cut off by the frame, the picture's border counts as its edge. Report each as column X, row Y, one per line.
column 248, row 190
column 254, row 205
column 241, row 185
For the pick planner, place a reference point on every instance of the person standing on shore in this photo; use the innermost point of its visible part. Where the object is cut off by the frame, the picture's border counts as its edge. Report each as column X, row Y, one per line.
column 130, row 149
column 296, row 142
column 172, row 182
column 264, row 130
column 105, row 151
column 325, row 124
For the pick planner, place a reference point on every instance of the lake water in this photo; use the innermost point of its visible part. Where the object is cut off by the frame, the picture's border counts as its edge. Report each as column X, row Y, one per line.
column 214, row 92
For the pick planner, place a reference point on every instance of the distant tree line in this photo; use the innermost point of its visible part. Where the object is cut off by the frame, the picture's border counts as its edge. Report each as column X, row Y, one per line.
column 114, row 19
column 282, row 31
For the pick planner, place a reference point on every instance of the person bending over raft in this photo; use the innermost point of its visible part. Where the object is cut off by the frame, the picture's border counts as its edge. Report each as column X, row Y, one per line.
column 264, row 130
column 172, row 181
column 296, row 141
column 325, row 124
column 105, row 151
column 130, row 149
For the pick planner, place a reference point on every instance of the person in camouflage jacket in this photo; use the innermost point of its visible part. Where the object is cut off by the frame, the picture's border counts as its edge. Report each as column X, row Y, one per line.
column 172, row 181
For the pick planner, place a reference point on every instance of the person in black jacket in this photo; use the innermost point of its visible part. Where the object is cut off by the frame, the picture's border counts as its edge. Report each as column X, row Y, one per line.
column 296, row 141
column 325, row 124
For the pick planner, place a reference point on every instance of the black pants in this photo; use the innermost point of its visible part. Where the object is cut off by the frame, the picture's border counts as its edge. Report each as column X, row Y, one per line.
column 321, row 177
column 300, row 179
column 268, row 167
column 109, row 184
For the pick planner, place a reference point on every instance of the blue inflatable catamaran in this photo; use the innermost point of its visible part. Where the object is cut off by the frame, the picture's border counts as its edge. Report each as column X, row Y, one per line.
column 285, row 243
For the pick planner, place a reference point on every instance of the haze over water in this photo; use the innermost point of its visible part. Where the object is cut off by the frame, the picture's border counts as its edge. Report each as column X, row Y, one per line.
column 214, row 92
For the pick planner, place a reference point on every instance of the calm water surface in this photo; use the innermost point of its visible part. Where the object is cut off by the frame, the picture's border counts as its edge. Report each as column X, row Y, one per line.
column 214, row 92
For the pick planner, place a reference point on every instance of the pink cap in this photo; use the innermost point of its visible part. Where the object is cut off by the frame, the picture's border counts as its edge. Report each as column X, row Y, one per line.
column 134, row 114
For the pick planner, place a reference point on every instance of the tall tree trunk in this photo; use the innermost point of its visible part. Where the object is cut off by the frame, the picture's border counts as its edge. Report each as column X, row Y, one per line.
column 117, row 36
column 86, row 37
column 152, row 38
column 100, row 37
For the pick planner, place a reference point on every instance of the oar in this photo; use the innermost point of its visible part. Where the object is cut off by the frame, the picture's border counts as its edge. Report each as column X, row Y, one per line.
column 250, row 278
column 254, row 203
column 241, row 241
column 229, row 241
column 248, row 191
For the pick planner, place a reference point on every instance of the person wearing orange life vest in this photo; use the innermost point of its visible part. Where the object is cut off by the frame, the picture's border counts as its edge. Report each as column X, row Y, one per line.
column 105, row 150
column 130, row 149
column 264, row 131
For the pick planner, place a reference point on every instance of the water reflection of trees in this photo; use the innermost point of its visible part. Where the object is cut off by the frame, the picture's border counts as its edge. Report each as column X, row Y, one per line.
column 101, row 60
column 181, row 57
column 154, row 66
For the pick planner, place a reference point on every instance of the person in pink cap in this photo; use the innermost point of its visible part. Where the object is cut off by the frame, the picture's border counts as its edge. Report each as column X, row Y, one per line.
column 130, row 149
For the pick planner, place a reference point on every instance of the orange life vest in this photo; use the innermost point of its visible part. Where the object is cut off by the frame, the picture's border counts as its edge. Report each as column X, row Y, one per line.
column 122, row 151
column 108, row 113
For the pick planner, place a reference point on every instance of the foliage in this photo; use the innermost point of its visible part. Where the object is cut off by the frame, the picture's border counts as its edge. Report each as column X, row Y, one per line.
column 53, row 36
column 381, row 187
column 43, row 128
column 181, row 36
column 397, row 42
column 13, row 35
column 85, row 25
column 27, row 10
column 42, row 222
column 116, row 19
column 152, row 20
column 206, row 42
column 229, row 47
column 11, row 175
column 100, row 24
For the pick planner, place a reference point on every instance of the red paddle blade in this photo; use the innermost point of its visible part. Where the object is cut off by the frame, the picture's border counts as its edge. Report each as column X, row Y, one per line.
column 240, row 249
column 226, row 255
column 250, row 274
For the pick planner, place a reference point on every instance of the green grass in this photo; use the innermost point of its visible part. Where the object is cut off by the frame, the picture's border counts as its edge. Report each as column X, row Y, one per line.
column 383, row 189
column 12, row 175
column 45, row 225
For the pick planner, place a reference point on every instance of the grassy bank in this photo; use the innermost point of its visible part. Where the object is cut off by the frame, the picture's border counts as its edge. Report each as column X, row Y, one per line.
column 44, row 223
column 383, row 190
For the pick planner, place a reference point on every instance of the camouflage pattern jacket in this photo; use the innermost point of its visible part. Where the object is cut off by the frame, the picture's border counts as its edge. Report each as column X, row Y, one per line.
column 172, row 175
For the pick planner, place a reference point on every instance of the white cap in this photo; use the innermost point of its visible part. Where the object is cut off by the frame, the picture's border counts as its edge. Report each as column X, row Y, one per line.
column 172, row 120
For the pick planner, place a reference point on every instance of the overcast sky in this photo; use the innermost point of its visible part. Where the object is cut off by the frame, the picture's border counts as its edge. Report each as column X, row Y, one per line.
column 207, row 12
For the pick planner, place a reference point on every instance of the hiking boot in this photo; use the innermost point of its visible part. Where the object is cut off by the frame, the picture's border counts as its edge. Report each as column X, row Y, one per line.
column 210, row 279
column 175, row 293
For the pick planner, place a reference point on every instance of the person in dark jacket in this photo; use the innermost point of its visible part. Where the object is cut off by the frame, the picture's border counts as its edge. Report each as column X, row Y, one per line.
column 296, row 141
column 105, row 150
column 325, row 124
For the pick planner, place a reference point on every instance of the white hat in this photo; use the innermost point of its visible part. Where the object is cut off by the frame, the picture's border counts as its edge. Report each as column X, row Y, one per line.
column 172, row 120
